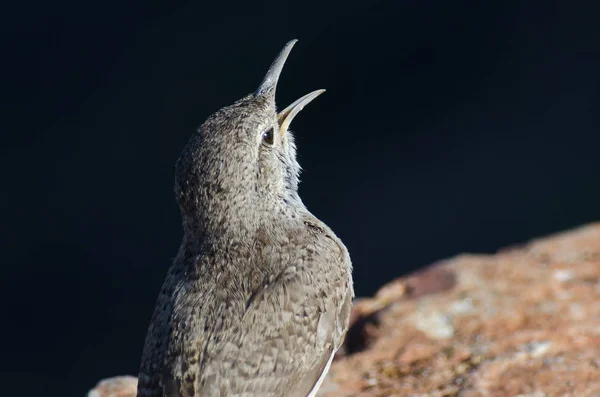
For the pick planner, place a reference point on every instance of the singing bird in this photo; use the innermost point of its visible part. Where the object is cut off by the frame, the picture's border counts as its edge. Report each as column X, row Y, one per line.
column 258, row 298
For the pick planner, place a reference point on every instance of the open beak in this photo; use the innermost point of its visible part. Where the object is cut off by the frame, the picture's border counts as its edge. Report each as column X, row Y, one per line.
column 269, row 84
column 286, row 116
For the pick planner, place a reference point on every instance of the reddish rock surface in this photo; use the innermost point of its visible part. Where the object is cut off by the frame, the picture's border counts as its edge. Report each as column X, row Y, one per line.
column 524, row 322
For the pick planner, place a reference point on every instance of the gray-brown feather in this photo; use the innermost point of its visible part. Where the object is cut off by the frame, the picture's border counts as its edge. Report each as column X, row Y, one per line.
column 270, row 337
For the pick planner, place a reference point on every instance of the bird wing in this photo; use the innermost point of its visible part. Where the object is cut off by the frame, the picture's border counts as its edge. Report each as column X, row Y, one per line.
column 287, row 336
column 313, row 380
column 150, row 379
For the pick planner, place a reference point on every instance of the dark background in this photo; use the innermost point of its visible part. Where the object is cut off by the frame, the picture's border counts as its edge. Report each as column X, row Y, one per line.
column 448, row 126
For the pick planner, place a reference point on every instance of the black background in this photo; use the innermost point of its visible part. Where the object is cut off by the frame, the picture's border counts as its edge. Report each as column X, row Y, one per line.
column 448, row 126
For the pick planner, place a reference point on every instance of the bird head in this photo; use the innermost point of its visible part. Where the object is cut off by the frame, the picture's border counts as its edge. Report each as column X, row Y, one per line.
column 241, row 164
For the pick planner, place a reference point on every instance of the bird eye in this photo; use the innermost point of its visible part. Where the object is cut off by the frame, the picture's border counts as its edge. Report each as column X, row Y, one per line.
column 267, row 136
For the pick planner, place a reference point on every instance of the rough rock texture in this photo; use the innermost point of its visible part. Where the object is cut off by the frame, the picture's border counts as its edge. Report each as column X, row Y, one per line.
column 524, row 322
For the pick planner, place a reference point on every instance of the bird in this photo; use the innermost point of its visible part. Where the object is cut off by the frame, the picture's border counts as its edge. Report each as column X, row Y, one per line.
column 258, row 299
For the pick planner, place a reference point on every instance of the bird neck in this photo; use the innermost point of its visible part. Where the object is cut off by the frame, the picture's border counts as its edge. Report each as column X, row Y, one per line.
column 234, row 223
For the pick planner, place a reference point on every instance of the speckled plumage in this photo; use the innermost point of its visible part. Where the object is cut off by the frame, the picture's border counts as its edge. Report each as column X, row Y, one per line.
column 258, row 298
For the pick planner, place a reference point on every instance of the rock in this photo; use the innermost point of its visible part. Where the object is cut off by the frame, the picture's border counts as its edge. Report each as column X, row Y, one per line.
column 119, row 386
column 524, row 322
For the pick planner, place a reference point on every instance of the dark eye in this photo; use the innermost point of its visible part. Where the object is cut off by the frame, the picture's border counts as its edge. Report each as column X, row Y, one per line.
column 267, row 136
